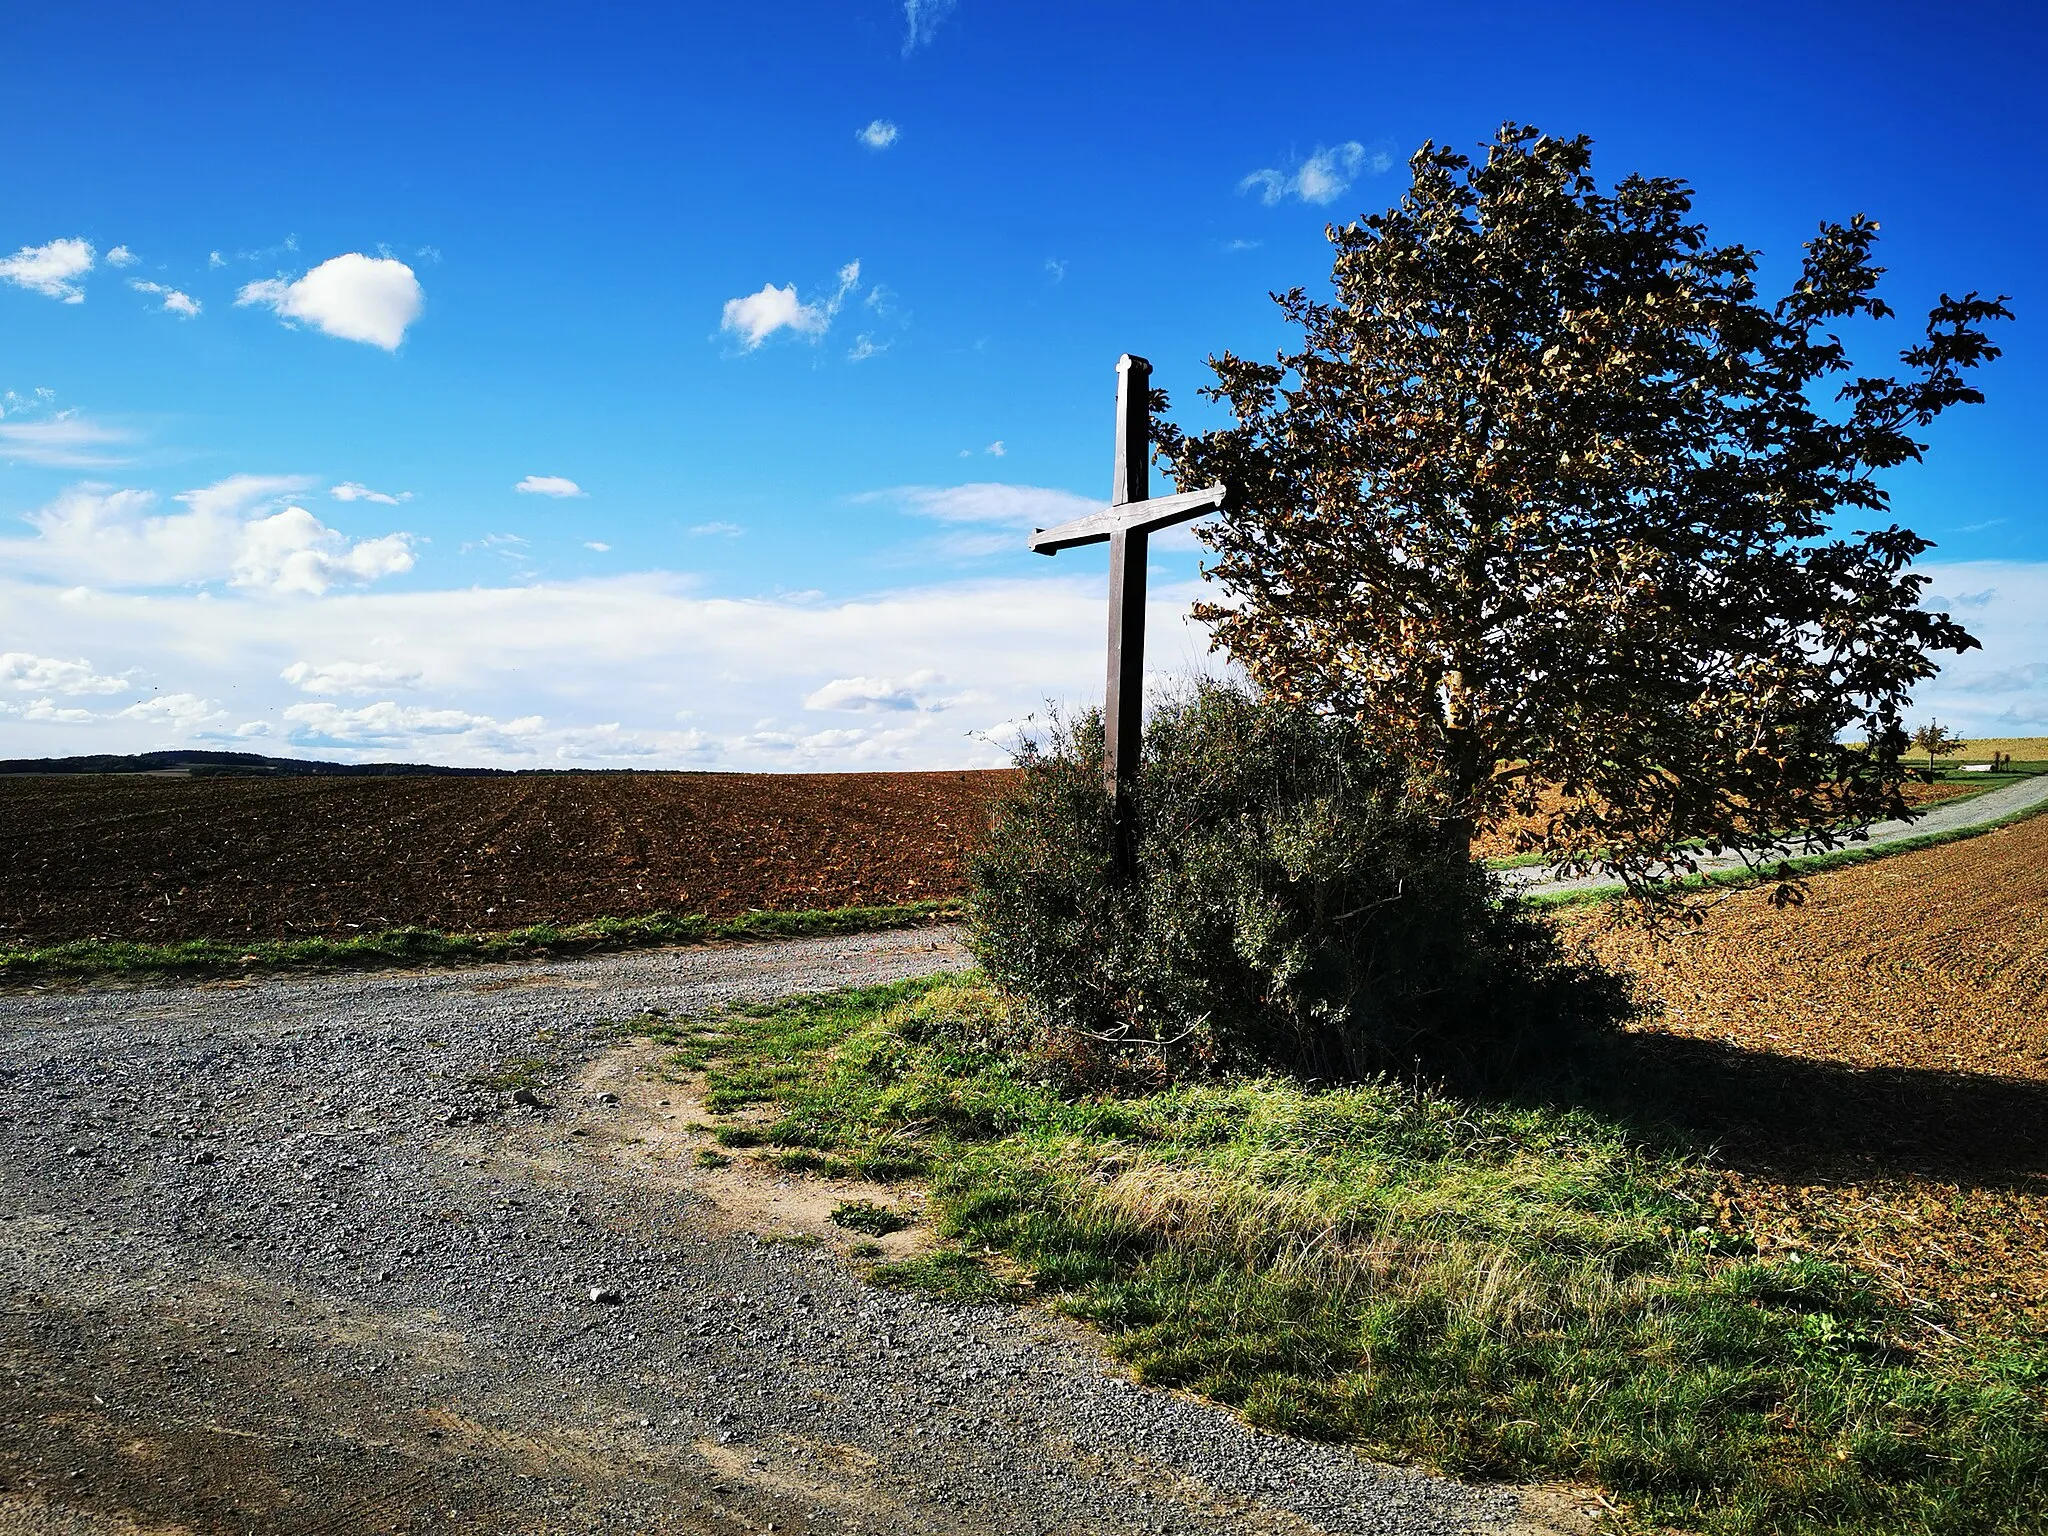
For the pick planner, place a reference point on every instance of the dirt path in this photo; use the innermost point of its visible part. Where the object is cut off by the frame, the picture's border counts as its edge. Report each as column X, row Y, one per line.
column 1950, row 816
column 280, row 1257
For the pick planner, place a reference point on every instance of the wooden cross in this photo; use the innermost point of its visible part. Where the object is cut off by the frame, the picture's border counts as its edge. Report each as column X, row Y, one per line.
column 1131, row 517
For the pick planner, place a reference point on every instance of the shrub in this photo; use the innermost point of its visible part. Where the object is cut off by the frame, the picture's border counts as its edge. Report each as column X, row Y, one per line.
column 1293, row 905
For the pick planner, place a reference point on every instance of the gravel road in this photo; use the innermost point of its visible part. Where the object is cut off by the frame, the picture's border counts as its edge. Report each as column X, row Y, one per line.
column 1947, row 816
column 274, row 1260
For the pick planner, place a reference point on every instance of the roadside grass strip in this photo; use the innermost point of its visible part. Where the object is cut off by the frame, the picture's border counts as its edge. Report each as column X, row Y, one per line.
column 1498, row 1290
column 86, row 959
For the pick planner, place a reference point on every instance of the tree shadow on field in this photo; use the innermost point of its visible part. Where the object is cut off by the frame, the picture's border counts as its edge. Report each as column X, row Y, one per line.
column 1794, row 1119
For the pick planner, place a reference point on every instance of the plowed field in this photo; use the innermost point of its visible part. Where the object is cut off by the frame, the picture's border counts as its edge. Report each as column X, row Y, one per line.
column 139, row 857
column 1873, row 1066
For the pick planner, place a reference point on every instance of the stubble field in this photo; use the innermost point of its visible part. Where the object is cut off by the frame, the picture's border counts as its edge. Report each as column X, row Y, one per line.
column 1873, row 1067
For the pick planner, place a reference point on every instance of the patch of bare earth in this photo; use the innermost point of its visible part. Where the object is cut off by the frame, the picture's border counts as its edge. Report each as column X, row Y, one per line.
column 161, row 859
column 1874, row 1066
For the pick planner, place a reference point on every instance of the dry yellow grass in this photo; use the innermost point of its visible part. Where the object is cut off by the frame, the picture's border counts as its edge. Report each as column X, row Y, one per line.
column 1502, row 841
column 1874, row 1065
column 2021, row 749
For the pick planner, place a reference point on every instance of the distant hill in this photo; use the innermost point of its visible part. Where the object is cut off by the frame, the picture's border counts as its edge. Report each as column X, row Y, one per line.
column 247, row 764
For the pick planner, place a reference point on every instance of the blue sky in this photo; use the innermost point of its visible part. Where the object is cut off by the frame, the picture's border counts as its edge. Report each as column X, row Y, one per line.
column 806, row 317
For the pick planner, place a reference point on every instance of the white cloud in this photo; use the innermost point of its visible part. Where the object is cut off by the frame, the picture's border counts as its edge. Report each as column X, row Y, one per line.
column 355, row 677
column 717, row 530
column 64, row 441
column 987, row 501
column 177, row 711
column 601, row 548
column 2001, row 690
column 879, row 134
column 52, row 270
column 26, row 673
column 549, row 485
column 215, row 261
column 350, row 490
column 293, row 551
column 757, row 316
column 864, row 347
column 921, row 21
column 121, row 256
column 598, row 670
column 1056, row 270
column 996, row 449
column 370, row 299
column 175, row 303
column 44, row 712
column 237, row 530
column 863, row 693
column 1322, row 178
column 385, row 722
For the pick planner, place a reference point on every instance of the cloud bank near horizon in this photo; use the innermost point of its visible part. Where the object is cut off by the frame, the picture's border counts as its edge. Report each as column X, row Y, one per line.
column 232, row 617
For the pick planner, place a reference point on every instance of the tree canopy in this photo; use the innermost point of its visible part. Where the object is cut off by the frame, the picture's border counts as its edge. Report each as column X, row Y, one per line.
column 1548, row 498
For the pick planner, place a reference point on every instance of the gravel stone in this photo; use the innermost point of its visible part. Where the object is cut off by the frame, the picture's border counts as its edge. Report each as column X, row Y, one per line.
column 193, row 1331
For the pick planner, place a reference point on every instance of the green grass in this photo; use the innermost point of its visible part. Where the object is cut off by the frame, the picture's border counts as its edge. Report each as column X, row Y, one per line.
column 1507, row 1291
column 86, row 959
column 866, row 1216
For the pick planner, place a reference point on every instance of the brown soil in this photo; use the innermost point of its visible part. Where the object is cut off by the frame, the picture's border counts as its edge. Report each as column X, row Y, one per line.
column 138, row 857
column 1503, row 841
column 1874, row 1066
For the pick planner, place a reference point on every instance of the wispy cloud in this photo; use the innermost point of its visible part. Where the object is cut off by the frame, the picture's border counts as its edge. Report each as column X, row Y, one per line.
column 988, row 501
column 1322, row 178
column 757, row 316
column 371, row 299
column 350, row 490
column 52, row 270
column 121, row 256
column 549, row 485
column 921, row 20
column 879, row 134
column 174, row 302
column 1056, row 270
column 717, row 531
column 66, row 440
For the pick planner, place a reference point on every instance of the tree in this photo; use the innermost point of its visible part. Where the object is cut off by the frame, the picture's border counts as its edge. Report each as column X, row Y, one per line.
column 1545, row 499
column 1936, row 740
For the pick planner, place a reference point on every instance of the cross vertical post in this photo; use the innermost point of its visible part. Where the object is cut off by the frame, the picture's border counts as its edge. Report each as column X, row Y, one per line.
column 1126, row 526
column 1123, row 698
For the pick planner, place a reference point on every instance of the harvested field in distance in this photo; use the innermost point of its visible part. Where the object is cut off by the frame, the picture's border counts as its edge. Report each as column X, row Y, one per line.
column 1874, row 1066
column 1501, row 843
column 164, row 858
column 2021, row 749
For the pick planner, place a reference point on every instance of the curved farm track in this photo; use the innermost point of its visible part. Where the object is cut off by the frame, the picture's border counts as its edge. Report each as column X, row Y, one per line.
column 165, row 858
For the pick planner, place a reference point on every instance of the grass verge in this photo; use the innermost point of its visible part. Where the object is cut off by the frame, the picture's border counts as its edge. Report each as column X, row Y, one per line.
column 1499, row 1290
column 1808, row 864
column 86, row 959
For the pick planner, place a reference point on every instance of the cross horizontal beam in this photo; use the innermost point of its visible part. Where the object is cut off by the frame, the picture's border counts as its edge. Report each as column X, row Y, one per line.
column 1130, row 517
